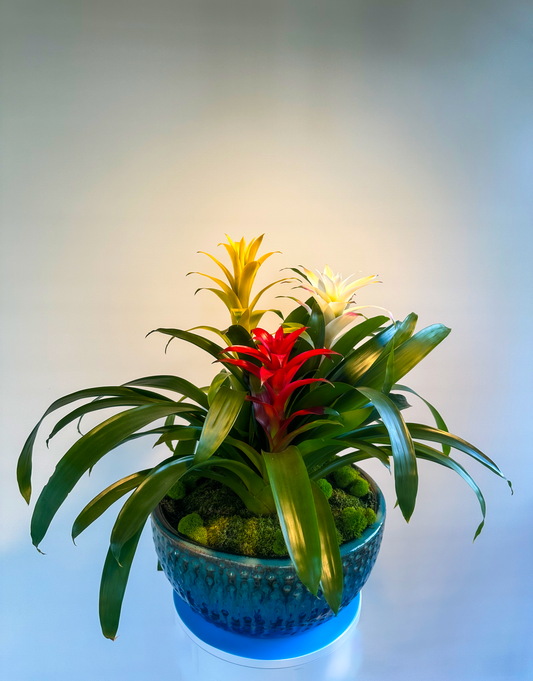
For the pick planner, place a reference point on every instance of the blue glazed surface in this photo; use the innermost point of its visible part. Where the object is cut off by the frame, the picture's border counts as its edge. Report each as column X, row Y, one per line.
column 280, row 648
column 258, row 596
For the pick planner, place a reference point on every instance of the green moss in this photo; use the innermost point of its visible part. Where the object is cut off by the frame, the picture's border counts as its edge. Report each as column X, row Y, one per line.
column 192, row 526
column 340, row 499
column 371, row 516
column 279, row 547
column 325, row 487
column 177, row 491
column 212, row 500
column 345, row 476
column 352, row 523
column 213, row 515
column 244, row 536
column 359, row 488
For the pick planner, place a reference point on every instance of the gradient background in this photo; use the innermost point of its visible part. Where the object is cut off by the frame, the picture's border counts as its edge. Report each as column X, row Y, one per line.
column 377, row 136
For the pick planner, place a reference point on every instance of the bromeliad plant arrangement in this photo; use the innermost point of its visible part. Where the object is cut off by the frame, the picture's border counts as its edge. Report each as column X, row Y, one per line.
column 261, row 520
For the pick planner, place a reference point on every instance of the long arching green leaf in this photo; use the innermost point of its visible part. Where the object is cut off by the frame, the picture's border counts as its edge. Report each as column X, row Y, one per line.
column 405, row 469
column 362, row 358
column 97, row 506
column 423, row 432
column 109, row 403
column 174, row 383
column 347, row 459
column 347, row 342
column 406, row 356
column 293, row 496
column 203, row 343
column 219, row 421
column 24, row 464
column 179, row 433
column 323, row 395
column 250, row 452
column 84, row 454
column 113, row 586
column 369, row 451
column 142, row 502
column 430, row 454
column 420, row 431
column 441, row 425
column 332, row 577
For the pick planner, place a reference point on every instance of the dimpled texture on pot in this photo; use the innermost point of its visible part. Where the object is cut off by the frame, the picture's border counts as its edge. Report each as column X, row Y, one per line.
column 258, row 596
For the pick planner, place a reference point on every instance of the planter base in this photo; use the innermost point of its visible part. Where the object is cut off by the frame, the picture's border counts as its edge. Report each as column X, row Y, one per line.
column 330, row 652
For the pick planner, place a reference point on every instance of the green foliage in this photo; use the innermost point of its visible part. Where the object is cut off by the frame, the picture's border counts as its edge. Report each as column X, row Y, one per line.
column 352, row 523
column 192, row 526
column 371, row 516
column 326, row 487
column 345, row 476
column 359, row 488
column 218, row 439
column 279, row 547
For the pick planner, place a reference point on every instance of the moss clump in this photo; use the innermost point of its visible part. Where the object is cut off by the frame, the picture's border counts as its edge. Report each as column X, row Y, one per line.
column 177, row 491
column 352, row 522
column 212, row 500
column 326, row 487
column 371, row 516
column 244, row 536
column 340, row 500
column 359, row 488
column 345, row 476
column 279, row 547
column 192, row 526
column 213, row 515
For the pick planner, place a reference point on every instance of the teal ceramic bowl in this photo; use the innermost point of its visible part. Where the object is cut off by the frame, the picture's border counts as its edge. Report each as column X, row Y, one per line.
column 259, row 596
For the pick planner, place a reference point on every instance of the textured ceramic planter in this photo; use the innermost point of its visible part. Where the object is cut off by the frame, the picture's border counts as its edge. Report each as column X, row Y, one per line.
column 258, row 596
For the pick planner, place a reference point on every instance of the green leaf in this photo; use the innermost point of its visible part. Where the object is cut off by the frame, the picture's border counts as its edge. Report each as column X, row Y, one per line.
column 317, row 326
column 24, row 464
column 179, row 433
column 84, row 454
column 350, row 421
column 113, row 586
column 307, row 426
column 323, row 395
column 176, row 384
column 361, row 360
column 299, row 315
column 239, row 336
column 111, row 402
column 250, row 452
column 430, row 454
column 389, row 371
column 405, row 468
column 218, row 381
column 105, row 499
column 423, row 432
column 219, row 421
column 203, row 343
column 347, row 342
column 441, row 425
column 316, row 451
column 142, row 502
column 366, row 451
column 332, row 578
column 293, row 497
column 407, row 355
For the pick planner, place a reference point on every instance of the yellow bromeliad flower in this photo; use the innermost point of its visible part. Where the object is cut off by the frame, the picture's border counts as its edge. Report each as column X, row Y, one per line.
column 237, row 292
column 335, row 298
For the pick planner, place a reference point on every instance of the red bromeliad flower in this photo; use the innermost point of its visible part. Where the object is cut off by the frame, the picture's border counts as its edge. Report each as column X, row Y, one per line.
column 274, row 382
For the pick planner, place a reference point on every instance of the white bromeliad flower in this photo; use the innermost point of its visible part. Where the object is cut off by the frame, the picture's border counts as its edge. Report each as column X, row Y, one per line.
column 335, row 298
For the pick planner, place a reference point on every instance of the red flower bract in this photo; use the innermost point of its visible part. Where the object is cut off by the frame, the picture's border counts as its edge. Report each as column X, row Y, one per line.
column 274, row 384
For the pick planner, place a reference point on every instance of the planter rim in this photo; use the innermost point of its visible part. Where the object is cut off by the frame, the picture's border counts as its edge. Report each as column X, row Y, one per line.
column 165, row 528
